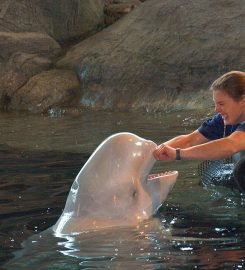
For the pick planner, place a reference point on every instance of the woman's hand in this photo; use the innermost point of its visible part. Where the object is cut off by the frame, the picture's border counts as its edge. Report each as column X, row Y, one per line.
column 165, row 153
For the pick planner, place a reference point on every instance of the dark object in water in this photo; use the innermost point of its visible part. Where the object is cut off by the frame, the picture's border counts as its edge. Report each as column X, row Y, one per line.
column 239, row 174
column 228, row 172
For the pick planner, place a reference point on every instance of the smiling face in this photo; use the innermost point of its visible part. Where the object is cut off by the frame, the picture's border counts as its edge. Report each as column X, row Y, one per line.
column 232, row 111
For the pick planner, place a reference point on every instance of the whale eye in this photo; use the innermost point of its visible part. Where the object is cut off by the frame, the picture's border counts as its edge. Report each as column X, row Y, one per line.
column 134, row 193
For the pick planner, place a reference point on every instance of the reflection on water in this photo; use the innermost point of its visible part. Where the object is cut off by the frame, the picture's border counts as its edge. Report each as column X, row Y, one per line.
column 200, row 228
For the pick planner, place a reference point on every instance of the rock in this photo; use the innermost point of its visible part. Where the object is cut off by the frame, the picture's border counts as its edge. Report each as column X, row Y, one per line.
column 47, row 90
column 28, row 30
column 16, row 72
column 160, row 54
column 27, row 42
column 115, row 9
column 61, row 19
column 23, row 55
column 163, row 55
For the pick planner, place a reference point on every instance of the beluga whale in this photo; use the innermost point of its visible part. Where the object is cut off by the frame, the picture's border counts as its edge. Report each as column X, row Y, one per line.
column 115, row 187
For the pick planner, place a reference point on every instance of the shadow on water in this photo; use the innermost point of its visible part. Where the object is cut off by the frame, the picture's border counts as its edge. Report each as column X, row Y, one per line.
column 196, row 228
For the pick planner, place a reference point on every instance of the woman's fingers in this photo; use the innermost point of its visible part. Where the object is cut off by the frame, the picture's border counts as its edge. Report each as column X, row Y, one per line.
column 157, row 153
column 164, row 152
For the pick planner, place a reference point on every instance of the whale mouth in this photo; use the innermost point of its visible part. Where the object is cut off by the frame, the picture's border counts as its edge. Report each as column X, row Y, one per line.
column 162, row 175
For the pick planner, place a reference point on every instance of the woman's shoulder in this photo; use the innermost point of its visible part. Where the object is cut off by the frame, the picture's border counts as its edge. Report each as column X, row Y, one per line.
column 212, row 128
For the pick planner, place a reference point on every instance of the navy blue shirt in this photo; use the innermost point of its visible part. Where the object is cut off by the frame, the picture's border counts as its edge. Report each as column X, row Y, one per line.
column 214, row 128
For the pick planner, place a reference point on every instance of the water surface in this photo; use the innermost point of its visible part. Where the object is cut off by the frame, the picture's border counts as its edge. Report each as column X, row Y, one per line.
column 201, row 227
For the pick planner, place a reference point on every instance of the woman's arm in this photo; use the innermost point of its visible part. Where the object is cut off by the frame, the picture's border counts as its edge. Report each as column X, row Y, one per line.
column 218, row 149
column 188, row 140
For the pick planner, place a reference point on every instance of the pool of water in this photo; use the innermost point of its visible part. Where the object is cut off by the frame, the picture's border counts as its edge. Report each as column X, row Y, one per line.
column 196, row 228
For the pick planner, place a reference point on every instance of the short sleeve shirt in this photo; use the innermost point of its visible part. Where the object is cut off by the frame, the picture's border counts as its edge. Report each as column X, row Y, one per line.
column 214, row 128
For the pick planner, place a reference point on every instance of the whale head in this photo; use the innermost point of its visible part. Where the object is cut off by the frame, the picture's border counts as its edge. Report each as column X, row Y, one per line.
column 114, row 187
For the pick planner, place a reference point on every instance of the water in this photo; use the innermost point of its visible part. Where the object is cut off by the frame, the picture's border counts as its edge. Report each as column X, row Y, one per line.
column 196, row 228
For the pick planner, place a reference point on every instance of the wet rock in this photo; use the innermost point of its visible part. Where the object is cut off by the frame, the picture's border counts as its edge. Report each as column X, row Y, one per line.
column 47, row 90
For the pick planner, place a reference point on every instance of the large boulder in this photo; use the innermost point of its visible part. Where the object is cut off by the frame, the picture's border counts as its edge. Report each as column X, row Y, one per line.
column 23, row 55
column 29, row 31
column 46, row 91
column 61, row 19
column 161, row 53
column 27, row 42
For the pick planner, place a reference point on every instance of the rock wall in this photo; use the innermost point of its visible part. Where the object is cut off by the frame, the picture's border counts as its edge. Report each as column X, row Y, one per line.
column 33, row 34
column 162, row 55
column 61, row 19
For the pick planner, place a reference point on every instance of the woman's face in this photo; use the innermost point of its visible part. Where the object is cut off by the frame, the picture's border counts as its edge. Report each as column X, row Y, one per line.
column 232, row 111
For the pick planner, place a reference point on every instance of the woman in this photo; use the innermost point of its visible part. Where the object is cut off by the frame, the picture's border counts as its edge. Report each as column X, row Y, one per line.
column 219, row 137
